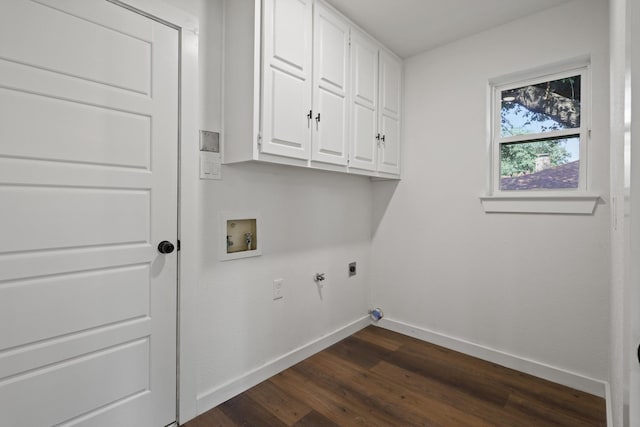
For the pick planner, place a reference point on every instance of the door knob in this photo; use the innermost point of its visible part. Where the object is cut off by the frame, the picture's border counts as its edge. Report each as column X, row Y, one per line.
column 165, row 247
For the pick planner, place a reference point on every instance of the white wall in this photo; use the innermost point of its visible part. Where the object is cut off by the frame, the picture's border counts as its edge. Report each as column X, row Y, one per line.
column 532, row 286
column 312, row 221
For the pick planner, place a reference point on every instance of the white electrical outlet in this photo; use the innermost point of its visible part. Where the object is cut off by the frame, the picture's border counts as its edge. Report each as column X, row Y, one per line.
column 277, row 289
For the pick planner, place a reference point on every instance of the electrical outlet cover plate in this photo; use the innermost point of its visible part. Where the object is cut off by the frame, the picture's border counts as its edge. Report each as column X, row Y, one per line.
column 277, row 289
column 352, row 269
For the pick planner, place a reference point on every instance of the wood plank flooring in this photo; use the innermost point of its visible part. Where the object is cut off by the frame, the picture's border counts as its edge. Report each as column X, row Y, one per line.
column 380, row 378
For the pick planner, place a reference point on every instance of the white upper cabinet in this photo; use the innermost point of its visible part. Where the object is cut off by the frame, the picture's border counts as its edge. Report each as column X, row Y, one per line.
column 286, row 82
column 305, row 87
column 330, row 87
column 376, row 82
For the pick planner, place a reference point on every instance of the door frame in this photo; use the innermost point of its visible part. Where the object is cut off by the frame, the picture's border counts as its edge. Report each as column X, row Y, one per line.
column 633, row 287
column 188, row 111
column 624, row 373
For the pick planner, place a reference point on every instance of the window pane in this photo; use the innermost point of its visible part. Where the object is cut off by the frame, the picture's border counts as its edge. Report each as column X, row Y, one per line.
column 547, row 164
column 541, row 107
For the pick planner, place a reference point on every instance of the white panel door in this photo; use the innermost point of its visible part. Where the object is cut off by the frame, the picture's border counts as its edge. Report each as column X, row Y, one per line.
column 88, row 187
column 330, row 87
column 364, row 102
column 286, row 78
column 389, row 113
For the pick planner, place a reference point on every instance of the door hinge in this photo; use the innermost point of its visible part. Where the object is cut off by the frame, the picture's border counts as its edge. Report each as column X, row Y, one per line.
column 259, row 138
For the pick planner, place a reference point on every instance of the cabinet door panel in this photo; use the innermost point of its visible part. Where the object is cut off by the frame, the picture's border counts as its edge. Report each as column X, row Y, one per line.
column 330, row 87
column 289, row 128
column 389, row 160
column 364, row 63
column 330, row 144
column 286, row 97
column 390, row 85
column 363, row 142
column 389, row 113
column 364, row 101
column 290, row 33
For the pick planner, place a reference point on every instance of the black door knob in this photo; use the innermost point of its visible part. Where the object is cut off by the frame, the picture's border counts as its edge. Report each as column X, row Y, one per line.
column 165, row 247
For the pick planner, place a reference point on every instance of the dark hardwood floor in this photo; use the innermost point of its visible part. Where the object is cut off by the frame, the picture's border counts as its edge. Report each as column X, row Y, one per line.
column 380, row 378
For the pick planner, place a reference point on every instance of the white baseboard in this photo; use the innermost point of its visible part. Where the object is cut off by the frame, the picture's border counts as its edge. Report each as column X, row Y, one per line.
column 541, row 370
column 212, row 398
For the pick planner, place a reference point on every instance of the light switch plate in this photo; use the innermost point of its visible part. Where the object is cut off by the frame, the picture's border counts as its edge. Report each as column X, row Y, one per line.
column 210, row 167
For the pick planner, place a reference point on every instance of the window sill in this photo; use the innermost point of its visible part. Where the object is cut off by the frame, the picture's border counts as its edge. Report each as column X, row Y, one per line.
column 583, row 204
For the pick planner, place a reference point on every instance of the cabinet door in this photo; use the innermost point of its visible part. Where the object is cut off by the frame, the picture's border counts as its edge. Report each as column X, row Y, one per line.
column 330, row 87
column 286, row 78
column 364, row 102
column 389, row 113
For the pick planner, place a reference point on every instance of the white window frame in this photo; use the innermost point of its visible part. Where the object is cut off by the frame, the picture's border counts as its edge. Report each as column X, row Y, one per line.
column 582, row 131
column 565, row 200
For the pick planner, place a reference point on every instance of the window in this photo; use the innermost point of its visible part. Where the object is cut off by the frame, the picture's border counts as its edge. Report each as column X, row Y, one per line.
column 540, row 130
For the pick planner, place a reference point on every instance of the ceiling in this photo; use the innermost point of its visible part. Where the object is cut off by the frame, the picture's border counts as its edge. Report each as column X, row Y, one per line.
column 408, row 27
